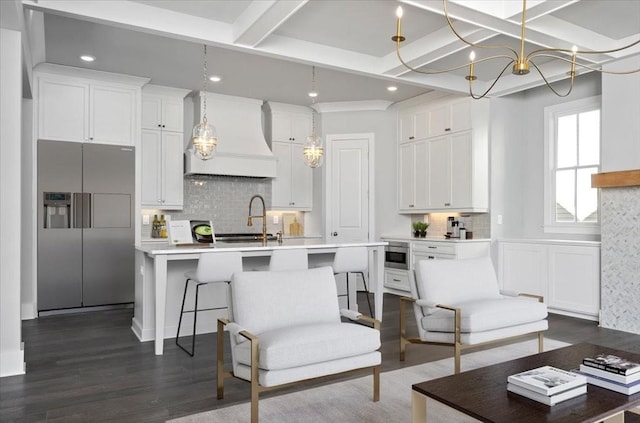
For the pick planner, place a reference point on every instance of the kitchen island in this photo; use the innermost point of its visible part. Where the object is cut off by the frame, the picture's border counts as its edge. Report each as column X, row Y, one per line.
column 160, row 281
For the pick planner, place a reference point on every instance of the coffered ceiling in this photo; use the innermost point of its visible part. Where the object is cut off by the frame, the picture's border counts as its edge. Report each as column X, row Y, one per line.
column 265, row 49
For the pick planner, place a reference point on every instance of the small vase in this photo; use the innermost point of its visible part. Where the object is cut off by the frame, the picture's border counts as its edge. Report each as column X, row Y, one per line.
column 423, row 234
column 416, row 234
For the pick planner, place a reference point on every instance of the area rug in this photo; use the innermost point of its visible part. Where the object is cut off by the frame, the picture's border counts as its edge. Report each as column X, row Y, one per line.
column 351, row 401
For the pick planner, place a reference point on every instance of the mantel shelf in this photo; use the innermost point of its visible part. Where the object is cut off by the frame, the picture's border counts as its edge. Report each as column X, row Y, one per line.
column 624, row 178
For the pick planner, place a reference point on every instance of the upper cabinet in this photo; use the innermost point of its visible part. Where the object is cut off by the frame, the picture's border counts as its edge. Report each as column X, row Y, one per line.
column 163, row 112
column 447, row 170
column 292, row 125
column 87, row 106
column 286, row 129
column 450, row 117
column 162, row 147
column 413, row 125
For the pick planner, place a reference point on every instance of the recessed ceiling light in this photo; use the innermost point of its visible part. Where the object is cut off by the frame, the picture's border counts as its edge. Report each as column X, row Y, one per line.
column 87, row 58
column 392, row 88
column 215, row 78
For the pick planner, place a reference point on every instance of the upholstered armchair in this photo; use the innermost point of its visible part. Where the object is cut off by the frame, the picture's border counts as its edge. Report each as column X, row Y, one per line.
column 286, row 327
column 458, row 303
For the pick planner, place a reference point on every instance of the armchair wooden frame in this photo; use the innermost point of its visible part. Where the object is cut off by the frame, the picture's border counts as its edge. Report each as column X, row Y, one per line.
column 457, row 345
column 256, row 388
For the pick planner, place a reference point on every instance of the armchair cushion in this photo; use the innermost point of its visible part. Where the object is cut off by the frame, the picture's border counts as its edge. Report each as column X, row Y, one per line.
column 456, row 281
column 302, row 345
column 486, row 314
column 302, row 297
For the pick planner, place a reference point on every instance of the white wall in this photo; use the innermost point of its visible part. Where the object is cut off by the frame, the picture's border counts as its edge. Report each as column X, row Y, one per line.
column 11, row 351
column 621, row 117
column 28, row 237
column 383, row 125
column 517, row 158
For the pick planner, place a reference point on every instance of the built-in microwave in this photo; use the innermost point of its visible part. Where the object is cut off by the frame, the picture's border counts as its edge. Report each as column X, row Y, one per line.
column 396, row 255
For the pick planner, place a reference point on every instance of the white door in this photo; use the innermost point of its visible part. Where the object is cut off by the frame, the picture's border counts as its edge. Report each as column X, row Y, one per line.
column 348, row 183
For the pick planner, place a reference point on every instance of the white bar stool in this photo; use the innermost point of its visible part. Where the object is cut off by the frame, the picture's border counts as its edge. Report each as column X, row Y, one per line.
column 212, row 268
column 294, row 259
column 353, row 260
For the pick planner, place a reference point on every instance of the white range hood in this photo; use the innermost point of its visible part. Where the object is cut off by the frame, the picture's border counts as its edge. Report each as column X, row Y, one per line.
column 242, row 149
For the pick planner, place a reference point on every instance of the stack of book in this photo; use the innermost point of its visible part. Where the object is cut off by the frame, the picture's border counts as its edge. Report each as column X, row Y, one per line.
column 548, row 385
column 611, row 372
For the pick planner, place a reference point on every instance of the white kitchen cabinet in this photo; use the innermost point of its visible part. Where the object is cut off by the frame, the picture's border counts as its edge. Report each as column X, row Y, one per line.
column 292, row 188
column 412, row 125
column 453, row 174
column 448, row 250
column 71, row 106
column 439, row 173
column 291, row 126
column 161, row 170
column 112, row 115
column 286, row 129
column 565, row 273
column 62, row 108
column 162, row 147
column 412, row 173
column 397, row 279
column 162, row 112
column 450, row 117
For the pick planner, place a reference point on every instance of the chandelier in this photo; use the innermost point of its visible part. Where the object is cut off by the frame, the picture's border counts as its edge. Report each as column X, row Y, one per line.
column 204, row 139
column 313, row 150
column 517, row 60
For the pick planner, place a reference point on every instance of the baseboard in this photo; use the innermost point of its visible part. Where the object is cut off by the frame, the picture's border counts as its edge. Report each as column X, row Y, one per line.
column 574, row 314
column 12, row 363
column 28, row 311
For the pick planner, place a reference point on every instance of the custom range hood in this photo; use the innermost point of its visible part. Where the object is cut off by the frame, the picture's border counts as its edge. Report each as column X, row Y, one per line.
column 242, row 149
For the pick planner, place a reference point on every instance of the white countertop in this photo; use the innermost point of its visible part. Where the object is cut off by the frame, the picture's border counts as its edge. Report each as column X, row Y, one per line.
column 310, row 243
column 408, row 238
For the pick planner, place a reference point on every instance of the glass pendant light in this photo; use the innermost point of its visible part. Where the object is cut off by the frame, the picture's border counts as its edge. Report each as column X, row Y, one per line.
column 204, row 139
column 313, row 150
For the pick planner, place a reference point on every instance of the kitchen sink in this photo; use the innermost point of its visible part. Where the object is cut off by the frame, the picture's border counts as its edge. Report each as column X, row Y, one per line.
column 243, row 237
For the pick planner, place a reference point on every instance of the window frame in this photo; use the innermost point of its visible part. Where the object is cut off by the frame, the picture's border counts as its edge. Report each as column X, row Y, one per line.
column 551, row 115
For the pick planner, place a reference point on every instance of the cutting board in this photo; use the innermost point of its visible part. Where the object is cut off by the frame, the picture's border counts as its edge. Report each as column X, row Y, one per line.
column 287, row 220
column 295, row 228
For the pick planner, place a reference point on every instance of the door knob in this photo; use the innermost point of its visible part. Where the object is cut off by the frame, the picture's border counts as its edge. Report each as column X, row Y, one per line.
column 334, row 234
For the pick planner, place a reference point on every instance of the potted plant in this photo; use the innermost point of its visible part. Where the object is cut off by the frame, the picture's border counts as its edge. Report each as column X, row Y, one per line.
column 419, row 229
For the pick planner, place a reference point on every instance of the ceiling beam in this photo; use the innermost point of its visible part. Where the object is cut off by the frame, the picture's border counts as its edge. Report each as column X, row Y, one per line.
column 511, row 27
column 261, row 18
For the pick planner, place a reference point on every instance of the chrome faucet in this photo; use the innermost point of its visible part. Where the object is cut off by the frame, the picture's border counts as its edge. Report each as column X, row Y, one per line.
column 263, row 217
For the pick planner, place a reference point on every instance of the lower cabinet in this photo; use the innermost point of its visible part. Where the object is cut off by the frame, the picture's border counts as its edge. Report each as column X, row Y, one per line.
column 566, row 273
column 398, row 280
column 448, row 250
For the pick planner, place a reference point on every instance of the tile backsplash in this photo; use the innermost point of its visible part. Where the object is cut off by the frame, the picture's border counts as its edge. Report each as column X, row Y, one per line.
column 478, row 223
column 222, row 199
column 225, row 201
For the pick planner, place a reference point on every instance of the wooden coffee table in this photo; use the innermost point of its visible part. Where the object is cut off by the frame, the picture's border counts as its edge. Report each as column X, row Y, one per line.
column 481, row 394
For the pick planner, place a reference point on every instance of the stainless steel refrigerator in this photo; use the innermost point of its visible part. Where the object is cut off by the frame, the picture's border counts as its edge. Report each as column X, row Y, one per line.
column 85, row 224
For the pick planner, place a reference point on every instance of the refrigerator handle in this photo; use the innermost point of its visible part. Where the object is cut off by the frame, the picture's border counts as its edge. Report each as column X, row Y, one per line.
column 76, row 210
column 86, row 210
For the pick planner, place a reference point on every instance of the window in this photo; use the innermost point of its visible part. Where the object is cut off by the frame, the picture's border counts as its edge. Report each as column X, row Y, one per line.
column 572, row 155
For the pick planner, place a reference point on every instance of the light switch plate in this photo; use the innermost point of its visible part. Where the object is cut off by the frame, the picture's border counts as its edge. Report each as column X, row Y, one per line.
column 276, row 219
column 145, row 219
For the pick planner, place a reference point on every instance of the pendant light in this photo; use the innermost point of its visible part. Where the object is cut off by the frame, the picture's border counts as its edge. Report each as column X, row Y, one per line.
column 517, row 60
column 204, row 139
column 313, row 150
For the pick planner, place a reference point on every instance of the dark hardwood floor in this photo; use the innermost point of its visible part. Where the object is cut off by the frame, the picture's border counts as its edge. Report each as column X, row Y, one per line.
column 90, row 367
